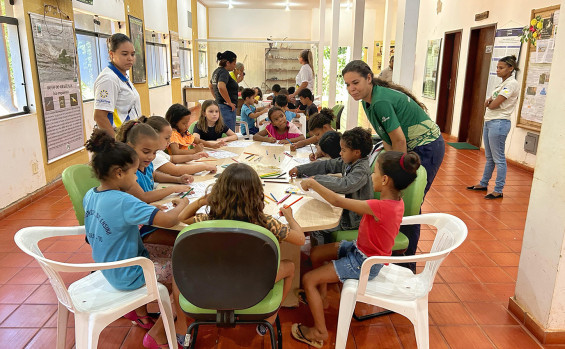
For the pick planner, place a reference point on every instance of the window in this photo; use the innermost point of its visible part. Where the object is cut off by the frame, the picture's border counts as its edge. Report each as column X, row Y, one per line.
column 157, row 67
column 13, row 98
column 92, row 58
column 203, row 64
column 185, row 56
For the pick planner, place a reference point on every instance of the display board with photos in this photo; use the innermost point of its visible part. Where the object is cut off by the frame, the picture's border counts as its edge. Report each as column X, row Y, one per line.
column 431, row 68
column 537, row 70
column 136, row 34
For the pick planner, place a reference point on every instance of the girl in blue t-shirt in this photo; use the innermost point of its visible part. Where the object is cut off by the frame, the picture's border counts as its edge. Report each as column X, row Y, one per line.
column 111, row 221
column 210, row 127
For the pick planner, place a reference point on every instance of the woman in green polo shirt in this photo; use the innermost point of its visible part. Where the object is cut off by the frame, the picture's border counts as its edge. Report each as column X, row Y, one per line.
column 400, row 120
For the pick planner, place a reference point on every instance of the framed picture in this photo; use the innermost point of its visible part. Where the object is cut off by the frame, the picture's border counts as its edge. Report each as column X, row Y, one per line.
column 431, row 67
column 138, row 75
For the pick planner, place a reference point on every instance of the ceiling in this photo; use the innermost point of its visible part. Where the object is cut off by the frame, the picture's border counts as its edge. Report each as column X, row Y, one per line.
column 281, row 4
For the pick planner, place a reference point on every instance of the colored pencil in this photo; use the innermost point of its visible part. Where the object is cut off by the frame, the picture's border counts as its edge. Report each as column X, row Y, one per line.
column 234, row 160
column 312, row 150
column 269, row 133
column 249, row 153
column 289, row 141
column 280, row 181
column 188, row 192
column 270, row 198
column 295, row 201
column 283, row 199
column 250, row 156
column 273, row 197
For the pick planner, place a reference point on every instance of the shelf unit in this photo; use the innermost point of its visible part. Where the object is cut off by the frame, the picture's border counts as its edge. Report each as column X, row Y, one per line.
column 281, row 67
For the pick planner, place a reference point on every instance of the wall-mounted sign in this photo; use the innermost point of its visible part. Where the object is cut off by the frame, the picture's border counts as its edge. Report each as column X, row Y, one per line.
column 481, row 16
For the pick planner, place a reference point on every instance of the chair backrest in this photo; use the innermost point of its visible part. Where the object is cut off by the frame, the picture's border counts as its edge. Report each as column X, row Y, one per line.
column 79, row 179
column 191, row 129
column 451, row 232
column 27, row 240
column 225, row 265
column 337, row 110
column 413, row 195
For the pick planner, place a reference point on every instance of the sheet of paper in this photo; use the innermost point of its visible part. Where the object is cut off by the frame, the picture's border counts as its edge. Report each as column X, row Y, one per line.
column 267, row 144
column 221, row 154
column 201, row 173
column 306, row 150
column 281, row 219
column 168, row 206
column 315, row 195
column 199, row 188
column 239, row 144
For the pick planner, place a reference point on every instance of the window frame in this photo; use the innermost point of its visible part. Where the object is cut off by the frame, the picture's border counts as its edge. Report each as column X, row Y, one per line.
column 189, row 53
column 164, row 46
column 205, row 55
column 97, row 42
column 26, row 109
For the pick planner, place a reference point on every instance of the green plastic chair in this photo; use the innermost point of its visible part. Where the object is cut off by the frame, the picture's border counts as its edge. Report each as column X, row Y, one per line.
column 337, row 110
column 413, row 197
column 226, row 286
column 79, row 179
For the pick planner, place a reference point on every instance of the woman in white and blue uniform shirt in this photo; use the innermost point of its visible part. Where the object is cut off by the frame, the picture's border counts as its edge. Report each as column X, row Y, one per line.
column 115, row 98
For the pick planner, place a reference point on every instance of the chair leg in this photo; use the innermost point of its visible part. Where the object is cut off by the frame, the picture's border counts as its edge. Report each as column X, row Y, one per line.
column 62, row 317
column 279, row 332
column 346, row 308
column 87, row 331
column 421, row 324
column 190, row 339
column 271, row 333
column 167, row 314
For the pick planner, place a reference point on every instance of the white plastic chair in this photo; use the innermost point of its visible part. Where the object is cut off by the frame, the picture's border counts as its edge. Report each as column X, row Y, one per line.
column 92, row 299
column 397, row 288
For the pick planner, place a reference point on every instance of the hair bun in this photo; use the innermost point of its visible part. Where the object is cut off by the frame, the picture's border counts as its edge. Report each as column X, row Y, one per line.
column 411, row 162
column 100, row 141
column 219, row 56
column 328, row 113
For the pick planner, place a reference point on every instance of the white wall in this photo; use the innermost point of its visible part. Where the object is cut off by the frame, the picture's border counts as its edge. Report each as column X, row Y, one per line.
column 155, row 14
column 259, row 24
column 160, row 99
column 202, row 23
column 20, row 147
column 460, row 15
column 113, row 9
column 183, row 7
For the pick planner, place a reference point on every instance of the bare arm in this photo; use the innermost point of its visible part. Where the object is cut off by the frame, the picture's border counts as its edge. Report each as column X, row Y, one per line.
column 302, row 86
column 157, row 194
column 101, row 119
column 211, row 88
column 398, row 140
column 188, row 213
column 176, row 150
column 263, row 136
column 179, row 170
column 163, row 177
column 295, row 234
column 170, row 218
column 258, row 112
column 358, row 206
column 231, row 136
column 224, row 93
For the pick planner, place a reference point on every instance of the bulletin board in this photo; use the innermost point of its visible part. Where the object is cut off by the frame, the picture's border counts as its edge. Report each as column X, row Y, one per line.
column 537, row 71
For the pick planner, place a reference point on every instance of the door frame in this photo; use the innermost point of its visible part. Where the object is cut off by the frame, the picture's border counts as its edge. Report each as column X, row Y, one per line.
column 443, row 98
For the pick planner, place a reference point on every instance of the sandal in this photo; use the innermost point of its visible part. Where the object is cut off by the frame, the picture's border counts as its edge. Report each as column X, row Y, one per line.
column 301, row 295
column 491, row 196
column 477, row 188
column 136, row 319
column 299, row 336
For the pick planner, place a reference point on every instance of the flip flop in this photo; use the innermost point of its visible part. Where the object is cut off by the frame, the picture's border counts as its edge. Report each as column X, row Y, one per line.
column 299, row 336
column 301, row 295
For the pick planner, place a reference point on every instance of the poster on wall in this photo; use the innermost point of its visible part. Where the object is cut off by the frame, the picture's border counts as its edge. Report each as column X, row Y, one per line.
column 88, row 2
column 506, row 43
column 430, row 69
column 138, row 75
column 378, row 56
column 57, row 70
column 175, row 59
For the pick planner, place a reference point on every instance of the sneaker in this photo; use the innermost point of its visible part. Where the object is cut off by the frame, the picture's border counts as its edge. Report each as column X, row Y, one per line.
column 261, row 329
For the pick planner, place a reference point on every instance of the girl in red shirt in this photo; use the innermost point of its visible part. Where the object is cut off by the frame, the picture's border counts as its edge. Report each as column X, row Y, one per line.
column 379, row 226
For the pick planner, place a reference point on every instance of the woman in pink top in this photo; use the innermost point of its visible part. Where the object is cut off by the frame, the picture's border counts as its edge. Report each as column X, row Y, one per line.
column 279, row 129
column 379, row 226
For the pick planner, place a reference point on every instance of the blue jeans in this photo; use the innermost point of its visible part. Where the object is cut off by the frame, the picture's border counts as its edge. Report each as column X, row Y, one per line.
column 228, row 115
column 431, row 157
column 494, row 137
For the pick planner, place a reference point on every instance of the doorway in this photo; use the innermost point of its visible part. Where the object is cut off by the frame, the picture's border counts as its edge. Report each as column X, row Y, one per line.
column 476, row 77
column 448, row 81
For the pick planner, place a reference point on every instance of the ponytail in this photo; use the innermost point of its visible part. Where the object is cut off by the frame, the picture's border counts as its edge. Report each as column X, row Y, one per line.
column 225, row 57
column 400, row 167
column 511, row 61
column 307, row 58
column 131, row 131
column 108, row 153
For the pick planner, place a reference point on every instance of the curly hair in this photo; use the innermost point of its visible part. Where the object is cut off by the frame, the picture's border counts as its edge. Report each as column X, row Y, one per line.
column 358, row 138
column 238, row 195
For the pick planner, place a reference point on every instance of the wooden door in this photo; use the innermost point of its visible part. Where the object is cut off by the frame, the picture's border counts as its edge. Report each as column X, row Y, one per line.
column 448, row 81
column 478, row 62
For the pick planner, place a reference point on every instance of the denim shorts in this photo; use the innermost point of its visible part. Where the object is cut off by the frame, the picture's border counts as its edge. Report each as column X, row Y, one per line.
column 349, row 261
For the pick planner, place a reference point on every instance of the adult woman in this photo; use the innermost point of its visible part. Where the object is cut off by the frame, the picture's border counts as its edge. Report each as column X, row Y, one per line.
column 497, row 125
column 401, row 122
column 305, row 77
column 224, row 87
column 115, row 98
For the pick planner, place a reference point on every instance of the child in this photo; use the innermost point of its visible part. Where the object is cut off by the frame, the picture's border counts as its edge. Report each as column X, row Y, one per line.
column 164, row 164
column 258, row 94
column 328, row 146
column 145, row 141
column 210, row 127
column 319, row 124
column 279, row 129
column 307, row 100
column 111, row 221
column 240, row 187
column 181, row 140
column 249, row 113
column 276, row 89
column 377, row 231
column 355, row 181
column 281, row 101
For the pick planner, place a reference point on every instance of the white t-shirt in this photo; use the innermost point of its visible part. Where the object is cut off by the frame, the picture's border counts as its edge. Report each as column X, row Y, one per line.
column 116, row 96
column 161, row 158
column 510, row 89
column 305, row 74
column 386, row 74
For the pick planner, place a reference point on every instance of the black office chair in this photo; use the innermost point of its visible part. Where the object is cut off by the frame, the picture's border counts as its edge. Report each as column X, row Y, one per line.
column 225, row 272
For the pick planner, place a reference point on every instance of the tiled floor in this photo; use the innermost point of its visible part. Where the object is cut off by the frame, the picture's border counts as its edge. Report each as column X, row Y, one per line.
column 468, row 304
